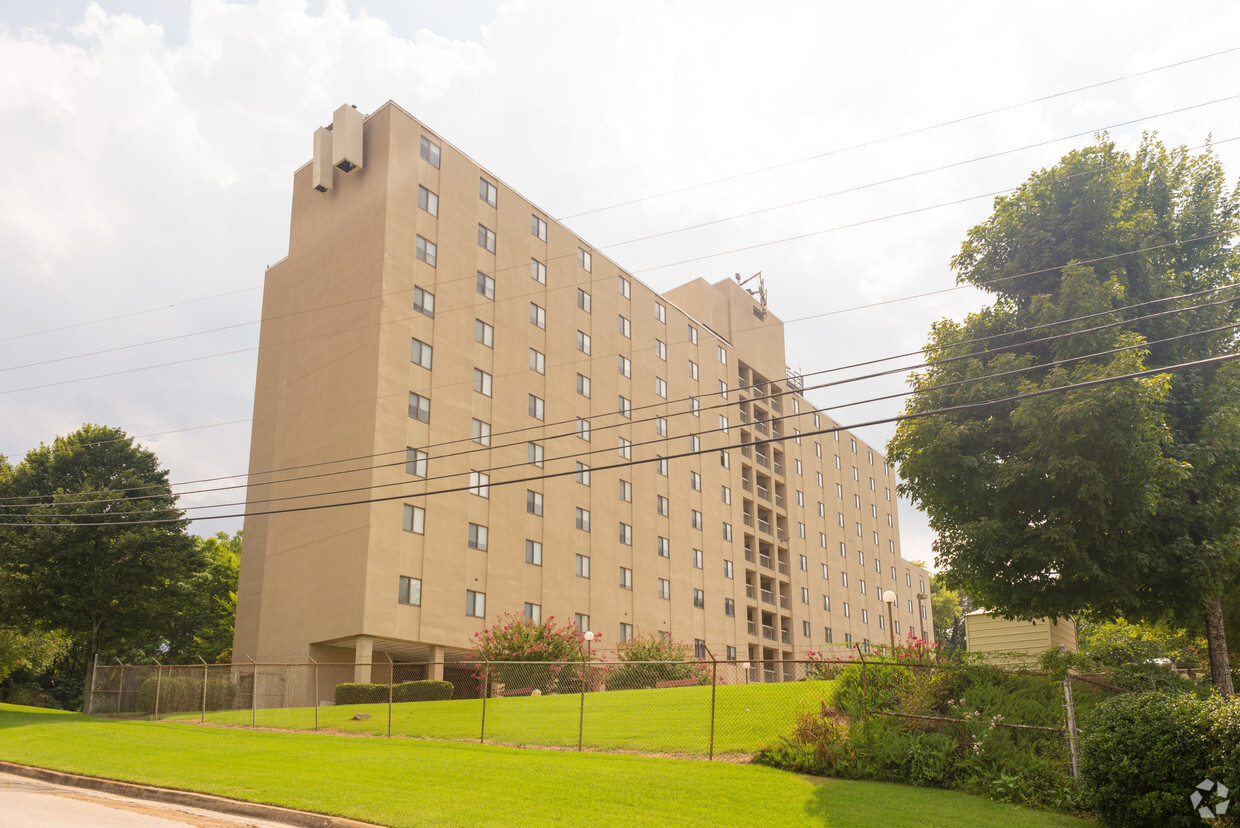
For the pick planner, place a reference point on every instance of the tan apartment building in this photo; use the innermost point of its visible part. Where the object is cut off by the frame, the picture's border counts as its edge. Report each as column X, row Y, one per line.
column 503, row 420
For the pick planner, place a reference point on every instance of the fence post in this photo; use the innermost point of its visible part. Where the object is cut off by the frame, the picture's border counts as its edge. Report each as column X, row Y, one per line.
column 486, row 691
column 90, row 696
column 581, row 714
column 159, row 674
column 865, row 701
column 203, row 720
column 391, row 682
column 1071, row 711
column 714, row 683
column 253, row 692
column 120, row 695
column 316, row 692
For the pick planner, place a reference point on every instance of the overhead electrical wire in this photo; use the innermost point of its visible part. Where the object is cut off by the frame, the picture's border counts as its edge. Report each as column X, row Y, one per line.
column 677, row 456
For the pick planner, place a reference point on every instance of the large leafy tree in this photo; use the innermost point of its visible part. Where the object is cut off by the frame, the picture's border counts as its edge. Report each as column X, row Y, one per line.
column 1116, row 499
column 88, row 554
column 204, row 627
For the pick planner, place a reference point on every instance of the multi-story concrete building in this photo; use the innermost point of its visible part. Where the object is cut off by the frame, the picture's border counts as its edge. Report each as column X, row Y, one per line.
column 503, row 420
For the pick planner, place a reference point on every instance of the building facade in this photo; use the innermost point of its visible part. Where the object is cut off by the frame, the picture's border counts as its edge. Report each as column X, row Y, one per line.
column 499, row 419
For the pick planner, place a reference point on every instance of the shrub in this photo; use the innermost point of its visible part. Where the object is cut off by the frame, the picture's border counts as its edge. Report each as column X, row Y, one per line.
column 405, row 691
column 646, row 660
column 1143, row 754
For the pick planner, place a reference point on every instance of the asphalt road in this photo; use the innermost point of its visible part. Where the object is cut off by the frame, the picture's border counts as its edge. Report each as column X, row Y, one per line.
column 26, row 803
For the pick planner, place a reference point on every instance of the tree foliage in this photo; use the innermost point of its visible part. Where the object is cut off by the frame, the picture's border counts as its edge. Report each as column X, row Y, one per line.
column 97, row 573
column 1115, row 499
column 204, row 627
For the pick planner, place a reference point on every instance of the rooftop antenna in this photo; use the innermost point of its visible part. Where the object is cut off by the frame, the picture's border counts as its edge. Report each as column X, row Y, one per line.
column 759, row 291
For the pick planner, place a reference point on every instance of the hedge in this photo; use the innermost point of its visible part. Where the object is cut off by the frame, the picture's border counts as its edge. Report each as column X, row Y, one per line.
column 405, row 691
column 182, row 694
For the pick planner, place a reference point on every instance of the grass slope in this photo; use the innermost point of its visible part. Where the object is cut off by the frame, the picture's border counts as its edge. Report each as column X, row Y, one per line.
column 669, row 720
column 403, row 782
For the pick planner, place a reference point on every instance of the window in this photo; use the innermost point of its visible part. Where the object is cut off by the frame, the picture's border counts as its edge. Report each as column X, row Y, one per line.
column 837, row 461
column 429, row 150
column 660, row 387
column 428, row 201
column 583, row 300
column 487, row 191
column 533, row 613
column 843, row 550
column 660, row 505
column 626, row 449
column 626, row 367
column 847, row 638
column 538, row 227
column 822, row 540
column 697, row 558
column 626, row 631
column 533, row 552
column 625, row 288
column 693, row 335
column 415, row 519
column 872, row 484
column 477, row 537
column 856, row 501
column 423, row 302
column 699, row 600
column 826, row 603
column 536, row 407
column 538, row 271
column 888, row 495
column 699, row 648
column 583, row 473
column 839, row 491
column 695, row 481
column 727, row 531
column 695, row 443
column 725, row 460
column 533, row 502
column 725, row 494
column 425, row 250
column 694, row 407
column 727, row 569
column 626, row 329
column 583, row 342
column 421, row 354
column 804, row 564
column 660, row 426
column 796, row 435
column 805, row 628
column 538, row 361
column 581, row 621
column 846, row 611
column 844, row 579
column 583, row 259
column 410, row 591
column 485, row 286
column 626, row 538
column 723, row 355
column 538, row 316
column 660, row 466
column 865, row 616
column 583, row 519
column 484, row 334
column 723, row 389
column 859, row 531
column 626, row 491
column 822, row 509
column 817, row 421
column 415, row 462
column 660, row 312
column 862, row 582
column 626, row 578
column 723, row 424
column 695, row 518
column 475, row 603
column 660, row 349
column 624, row 406
column 486, row 238
column 663, row 547
column 583, row 566
column 731, row 653
column 583, row 429
column 583, row 385
column 855, row 473
column 482, row 382
column 665, row 589
column 480, row 484
column 840, row 519
column 419, row 407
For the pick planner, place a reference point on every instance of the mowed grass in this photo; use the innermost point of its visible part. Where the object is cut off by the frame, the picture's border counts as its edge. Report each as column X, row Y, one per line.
column 667, row 720
column 409, row 782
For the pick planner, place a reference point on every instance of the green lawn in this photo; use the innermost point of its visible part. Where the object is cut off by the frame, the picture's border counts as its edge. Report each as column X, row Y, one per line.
column 408, row 782
column 670, row 720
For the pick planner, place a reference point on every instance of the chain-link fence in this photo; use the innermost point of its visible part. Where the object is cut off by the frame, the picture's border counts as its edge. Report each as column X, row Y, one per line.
column 693, row 708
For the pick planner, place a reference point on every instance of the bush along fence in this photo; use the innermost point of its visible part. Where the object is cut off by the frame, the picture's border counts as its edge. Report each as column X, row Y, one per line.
column 699, row 707
column 906, row 714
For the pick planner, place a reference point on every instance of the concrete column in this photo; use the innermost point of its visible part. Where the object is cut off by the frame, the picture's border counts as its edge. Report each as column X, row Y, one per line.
column 436, row 668
column 363, row 654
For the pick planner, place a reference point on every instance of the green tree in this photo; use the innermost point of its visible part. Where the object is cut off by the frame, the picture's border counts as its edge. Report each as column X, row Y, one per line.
column 948, row 607
column 204, row 627
column 1120, row 499
column 96, row 547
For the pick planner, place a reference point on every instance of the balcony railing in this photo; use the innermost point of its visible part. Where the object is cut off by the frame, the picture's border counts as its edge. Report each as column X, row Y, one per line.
column 746, row 451
column 783, row 567
column 764, row 493
column 753, row 628
column 763, row 525
column 762, row 459
column 779, row 468
column 768, row 597
column 783, row 601
column 744, row 416
column 749, row 590
column 795, row 381
column 785, row 636
column 760, row 427
column 765, row 560
column 779, row 501
column 768, row 632
column 748, row 554
column 746, row 485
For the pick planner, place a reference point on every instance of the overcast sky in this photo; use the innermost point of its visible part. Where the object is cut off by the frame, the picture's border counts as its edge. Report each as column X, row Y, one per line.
column 150, row 147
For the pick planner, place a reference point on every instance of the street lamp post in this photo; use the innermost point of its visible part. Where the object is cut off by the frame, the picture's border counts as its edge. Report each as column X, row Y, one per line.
column 890, row 597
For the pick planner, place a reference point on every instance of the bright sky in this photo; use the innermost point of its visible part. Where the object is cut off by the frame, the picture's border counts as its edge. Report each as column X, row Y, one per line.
column 150, row 146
